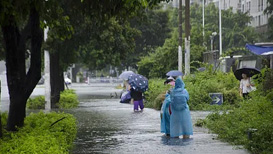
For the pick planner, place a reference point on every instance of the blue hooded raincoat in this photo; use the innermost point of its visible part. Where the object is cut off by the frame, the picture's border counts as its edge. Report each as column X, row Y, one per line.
column 180, row 119
column 165, row 115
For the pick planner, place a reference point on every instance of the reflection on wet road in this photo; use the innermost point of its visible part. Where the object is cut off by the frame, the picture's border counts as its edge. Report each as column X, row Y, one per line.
column 107, row 126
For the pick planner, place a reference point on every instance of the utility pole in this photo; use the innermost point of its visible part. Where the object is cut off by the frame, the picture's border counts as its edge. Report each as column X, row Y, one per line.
column 47, row 75
column 180, row 36
column 220, row 29
column 187, row 37
column 203, row 12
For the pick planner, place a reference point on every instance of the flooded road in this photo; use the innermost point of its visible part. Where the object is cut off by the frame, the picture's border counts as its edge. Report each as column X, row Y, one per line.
column 107, row 126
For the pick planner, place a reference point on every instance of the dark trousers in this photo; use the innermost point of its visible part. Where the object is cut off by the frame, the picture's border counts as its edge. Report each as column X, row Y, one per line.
column 245, row 95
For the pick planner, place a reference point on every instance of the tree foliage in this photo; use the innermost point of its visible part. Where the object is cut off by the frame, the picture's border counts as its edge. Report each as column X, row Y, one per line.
column 269, row 10
column 235, row 33
column 157, row 63
column 22, row 24
column 154, row 29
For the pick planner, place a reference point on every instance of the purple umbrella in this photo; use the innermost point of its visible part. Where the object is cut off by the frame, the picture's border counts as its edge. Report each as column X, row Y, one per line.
column 174, row 73
column 246, row 70
column 138, row 82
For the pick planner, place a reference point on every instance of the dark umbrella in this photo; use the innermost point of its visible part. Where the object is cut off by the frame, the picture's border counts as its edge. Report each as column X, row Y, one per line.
column 246, row 70
column 174, row 73
column 138, row 82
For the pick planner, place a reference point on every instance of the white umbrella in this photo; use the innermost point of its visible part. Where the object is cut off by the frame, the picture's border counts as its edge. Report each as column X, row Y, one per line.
column 125, row 75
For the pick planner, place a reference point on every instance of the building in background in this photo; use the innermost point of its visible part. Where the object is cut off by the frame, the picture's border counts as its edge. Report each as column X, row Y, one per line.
column 255, row 8
column 226, row 4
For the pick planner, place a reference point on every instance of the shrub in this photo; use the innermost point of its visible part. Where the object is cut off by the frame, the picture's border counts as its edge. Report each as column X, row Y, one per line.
column 36, row 103
column 199, row 85
column 234, row 126
column 264, row 80
column 154, row 94
column 68, row 99
column 39, row 135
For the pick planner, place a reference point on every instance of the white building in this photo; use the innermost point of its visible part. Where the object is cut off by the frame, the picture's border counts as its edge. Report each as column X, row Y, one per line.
column 226, row 4
column 256, row 8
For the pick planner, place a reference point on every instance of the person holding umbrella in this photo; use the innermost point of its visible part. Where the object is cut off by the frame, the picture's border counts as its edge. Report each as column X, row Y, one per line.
column 170, row 80
column 245, row 85
column 244, row 74
column 139, row 84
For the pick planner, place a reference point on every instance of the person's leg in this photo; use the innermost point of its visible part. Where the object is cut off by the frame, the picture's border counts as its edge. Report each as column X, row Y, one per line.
column 136, row 103
column 245, row 95
column 141, row 104
column 186, row 136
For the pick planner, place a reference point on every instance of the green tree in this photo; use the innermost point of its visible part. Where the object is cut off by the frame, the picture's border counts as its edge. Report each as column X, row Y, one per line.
column 22, row 24
column 96, row 41
column 269, row 11
column 157, row 63
column 154, row 28
column 236, row 34
column 235, row 29
column 21, row 27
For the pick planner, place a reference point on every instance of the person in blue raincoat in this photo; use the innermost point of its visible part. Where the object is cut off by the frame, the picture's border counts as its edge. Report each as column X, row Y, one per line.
column 165, row 115
column 180, row 119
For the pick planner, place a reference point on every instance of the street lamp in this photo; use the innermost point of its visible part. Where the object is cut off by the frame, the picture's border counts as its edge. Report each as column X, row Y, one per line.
column 211, row 40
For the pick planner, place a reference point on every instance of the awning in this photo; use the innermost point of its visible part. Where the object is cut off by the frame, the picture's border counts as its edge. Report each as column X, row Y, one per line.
column 260, row 50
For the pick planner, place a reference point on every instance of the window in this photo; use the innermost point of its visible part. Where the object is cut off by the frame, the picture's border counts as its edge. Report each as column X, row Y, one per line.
column 262, row 5
column 259, row 22
column 248, row 63
column 259, row 5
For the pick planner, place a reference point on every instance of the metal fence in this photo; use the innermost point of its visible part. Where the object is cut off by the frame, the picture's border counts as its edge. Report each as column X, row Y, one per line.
column 104, row 80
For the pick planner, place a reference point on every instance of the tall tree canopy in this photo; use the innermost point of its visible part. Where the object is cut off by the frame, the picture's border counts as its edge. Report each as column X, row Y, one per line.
column 154, row 29
column 22, row 24
column 235, row 32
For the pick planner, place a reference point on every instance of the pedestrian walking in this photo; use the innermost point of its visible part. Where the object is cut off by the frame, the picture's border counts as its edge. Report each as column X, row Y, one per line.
column 180, row 119
column 137, row 99
column 138, row 84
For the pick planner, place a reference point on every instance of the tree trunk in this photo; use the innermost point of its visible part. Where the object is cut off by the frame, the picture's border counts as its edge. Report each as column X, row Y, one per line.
column 0, row 127
column 56, row 78
column 61, row 86
column 20, row 83
column 0, row 116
